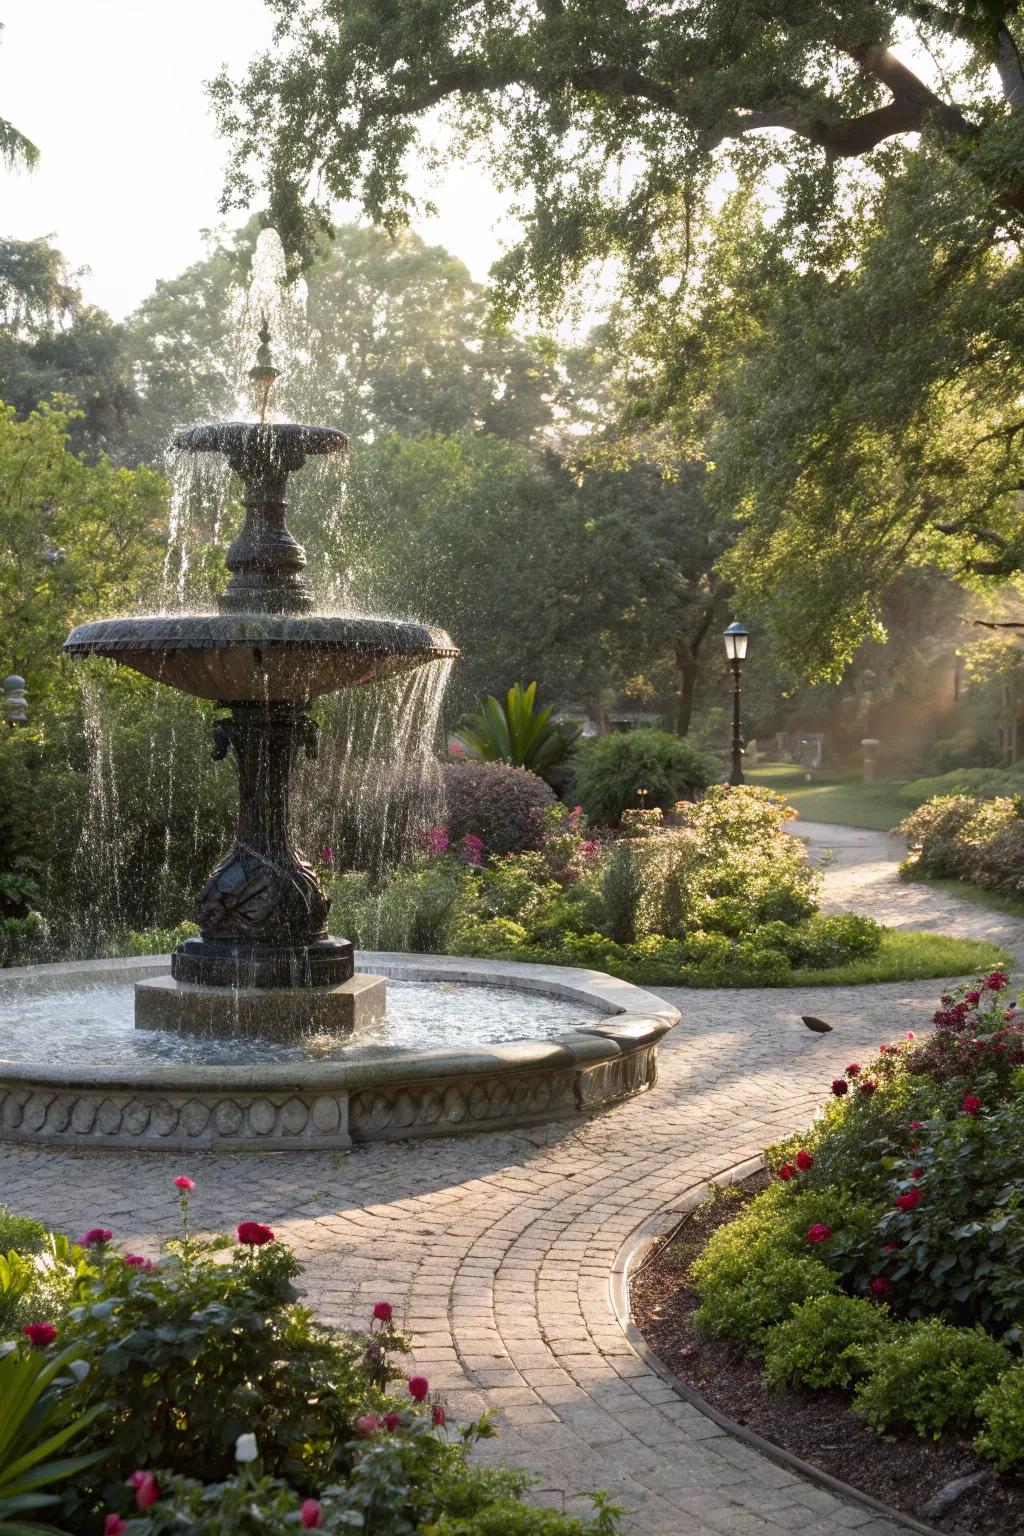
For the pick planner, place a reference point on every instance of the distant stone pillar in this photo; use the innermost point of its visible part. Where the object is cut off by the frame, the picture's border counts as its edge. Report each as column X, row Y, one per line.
column 869, row 747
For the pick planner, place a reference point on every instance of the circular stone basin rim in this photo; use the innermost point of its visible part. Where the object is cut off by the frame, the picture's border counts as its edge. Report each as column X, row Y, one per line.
column 625, row 1013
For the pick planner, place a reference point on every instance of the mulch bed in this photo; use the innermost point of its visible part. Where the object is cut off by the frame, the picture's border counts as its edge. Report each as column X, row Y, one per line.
column 902, row 1471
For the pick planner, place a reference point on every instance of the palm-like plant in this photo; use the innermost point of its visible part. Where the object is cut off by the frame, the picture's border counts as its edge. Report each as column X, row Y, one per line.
column 516, row 732
column 34, row 1426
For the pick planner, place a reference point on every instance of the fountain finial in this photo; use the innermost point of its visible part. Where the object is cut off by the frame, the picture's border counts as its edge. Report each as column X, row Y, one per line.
column 263, row 372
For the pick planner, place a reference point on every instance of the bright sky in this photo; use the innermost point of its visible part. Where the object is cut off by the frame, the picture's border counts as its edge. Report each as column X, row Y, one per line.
column 112, row 93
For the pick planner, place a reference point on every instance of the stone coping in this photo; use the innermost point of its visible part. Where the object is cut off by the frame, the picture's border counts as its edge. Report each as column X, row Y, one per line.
column 371, row 1095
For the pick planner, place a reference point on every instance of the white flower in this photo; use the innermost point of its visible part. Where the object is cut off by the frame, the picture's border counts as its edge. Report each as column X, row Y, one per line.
column 246, row 1448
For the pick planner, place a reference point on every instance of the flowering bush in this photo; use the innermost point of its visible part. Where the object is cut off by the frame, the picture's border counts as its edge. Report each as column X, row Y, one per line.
column 502, row 806
column 967, row 838
column 909, row 1194
column 726, row 900
column 206, row 1400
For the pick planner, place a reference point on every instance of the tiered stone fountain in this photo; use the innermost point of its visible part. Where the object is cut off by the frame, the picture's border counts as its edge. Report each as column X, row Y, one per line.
column 260, row 1032
column 263, row 963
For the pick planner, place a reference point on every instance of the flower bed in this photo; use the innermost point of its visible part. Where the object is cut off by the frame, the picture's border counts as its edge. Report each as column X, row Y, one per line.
column 191, row 1393
column 720, row 894
column 885, row 1259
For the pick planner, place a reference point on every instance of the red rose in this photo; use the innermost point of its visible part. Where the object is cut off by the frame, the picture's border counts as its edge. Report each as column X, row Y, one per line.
column 419, row 1386
column 891, row 1247
column 383, row 1311
column 40, row 1334
column 95, row 1237
column 113, row 1525
column 909, row 1200
column 146, row 1490
column 184, row 1183
column 438, row 1415
column 972, row 998
column 819, row 1233
column 311, row 1515
column 917, row 1173
column 853, row 1069
column 867, row 1085
column 996, row 982
column 971, row 1104
column 136, row 1261
column 391, row 1421
column 804, row 1160
column 840, row 1086
column 787, row 1171
column 880, row 1286
column 254, row 1233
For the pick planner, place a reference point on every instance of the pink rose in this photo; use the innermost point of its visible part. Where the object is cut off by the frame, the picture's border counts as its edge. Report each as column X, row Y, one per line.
column 391, row 1421
column 136, row 1261
column 113, row 1525
column 311, row 1515
column 184, row 1183
column 146, row 1490
column 880, row 1286
column 368, row 1424
column 819, row 1233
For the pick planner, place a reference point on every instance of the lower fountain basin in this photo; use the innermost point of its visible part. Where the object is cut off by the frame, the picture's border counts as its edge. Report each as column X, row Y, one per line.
column 576, row 1041
column 265, row 658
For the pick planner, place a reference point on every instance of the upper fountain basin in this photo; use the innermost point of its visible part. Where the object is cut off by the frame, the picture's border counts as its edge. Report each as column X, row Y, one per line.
column 250, row 446
column 253, row 657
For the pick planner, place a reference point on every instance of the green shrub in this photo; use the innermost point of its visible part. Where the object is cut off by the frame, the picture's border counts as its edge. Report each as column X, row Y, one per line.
column 1000, row 1410
column 965, row 838
column 609, row 770
column 493, row 936
column 834, row 940
column 621, row 891
column 744, row 1307
column 499, row 804
column 20, row 1234
column 824, row 1343
column 930, row 1376
column 157, row 941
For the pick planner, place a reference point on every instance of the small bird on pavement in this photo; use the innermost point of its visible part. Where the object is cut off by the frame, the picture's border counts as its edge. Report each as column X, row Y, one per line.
column 818, row 1025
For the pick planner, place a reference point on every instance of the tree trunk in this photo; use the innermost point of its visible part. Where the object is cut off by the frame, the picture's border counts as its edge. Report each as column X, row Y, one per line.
column 688, row 667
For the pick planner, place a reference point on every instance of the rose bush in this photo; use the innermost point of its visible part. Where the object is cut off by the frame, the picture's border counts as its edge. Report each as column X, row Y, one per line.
column 907, row 1196
column 207, row 1400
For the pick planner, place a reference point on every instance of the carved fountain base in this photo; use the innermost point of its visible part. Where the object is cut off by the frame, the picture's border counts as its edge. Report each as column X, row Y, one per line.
column 270, row 1013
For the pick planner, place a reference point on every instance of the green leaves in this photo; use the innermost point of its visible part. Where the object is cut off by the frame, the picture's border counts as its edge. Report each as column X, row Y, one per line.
column 516, row 732
column 37, row 1420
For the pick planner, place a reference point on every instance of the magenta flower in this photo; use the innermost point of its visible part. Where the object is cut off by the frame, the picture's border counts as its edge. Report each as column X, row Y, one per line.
column 40, row 1334
column 95, row 1237
column 437, row 842
column 184, row 1183
column 419, row 1386
column 473, row 848
column 383, row 1311
column 311, row 1515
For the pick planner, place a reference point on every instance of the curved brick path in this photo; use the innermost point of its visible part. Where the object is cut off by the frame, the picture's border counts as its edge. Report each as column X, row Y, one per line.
column 496, row 1249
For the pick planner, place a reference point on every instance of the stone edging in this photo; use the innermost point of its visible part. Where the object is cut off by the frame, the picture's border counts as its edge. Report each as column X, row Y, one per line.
column 633, row 1249
column 365, row 1098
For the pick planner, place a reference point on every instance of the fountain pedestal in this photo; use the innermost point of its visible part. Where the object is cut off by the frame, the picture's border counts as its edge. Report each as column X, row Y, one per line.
column 271, row 1013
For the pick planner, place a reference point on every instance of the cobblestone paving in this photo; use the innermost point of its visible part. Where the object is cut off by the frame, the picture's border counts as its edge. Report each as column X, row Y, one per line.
column 496, row 1249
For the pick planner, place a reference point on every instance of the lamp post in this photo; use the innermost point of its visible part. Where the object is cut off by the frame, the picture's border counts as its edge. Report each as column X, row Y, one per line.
column 736, row 637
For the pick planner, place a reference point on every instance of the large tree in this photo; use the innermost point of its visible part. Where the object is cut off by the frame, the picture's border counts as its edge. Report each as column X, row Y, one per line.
column 840, row 340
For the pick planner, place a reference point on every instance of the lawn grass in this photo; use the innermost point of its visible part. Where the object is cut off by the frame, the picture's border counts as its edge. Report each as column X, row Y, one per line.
column 992, row 901
column 843, row 799
column 907, row 955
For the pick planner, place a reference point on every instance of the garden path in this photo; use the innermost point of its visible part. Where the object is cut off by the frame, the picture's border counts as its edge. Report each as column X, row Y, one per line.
column 496, row 1249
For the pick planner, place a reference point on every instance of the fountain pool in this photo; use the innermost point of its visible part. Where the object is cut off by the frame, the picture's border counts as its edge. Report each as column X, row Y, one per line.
column 468, row 1045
